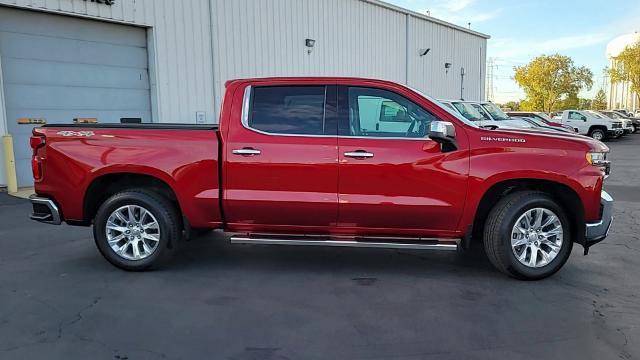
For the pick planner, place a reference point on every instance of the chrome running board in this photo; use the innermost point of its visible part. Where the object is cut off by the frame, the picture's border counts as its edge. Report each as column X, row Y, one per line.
column 407, row 244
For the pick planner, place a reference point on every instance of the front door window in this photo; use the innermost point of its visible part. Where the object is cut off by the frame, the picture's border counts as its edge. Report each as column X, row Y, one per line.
column 379, row 113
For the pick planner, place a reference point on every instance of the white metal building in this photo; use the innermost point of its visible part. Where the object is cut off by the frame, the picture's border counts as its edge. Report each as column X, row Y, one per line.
column 620, row 94
column 168, row 60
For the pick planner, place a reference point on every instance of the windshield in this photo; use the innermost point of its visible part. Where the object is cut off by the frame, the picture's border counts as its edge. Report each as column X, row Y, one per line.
column 495, row 112
column 536, row 122
column 468, row 111
column 596, row 115
column 615, row 115
column 482, row 111
column 448, row 105
column 450, row 111
column 544, row 116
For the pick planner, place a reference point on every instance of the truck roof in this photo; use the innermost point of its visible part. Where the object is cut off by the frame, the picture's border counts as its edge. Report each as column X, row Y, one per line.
column 312, row 79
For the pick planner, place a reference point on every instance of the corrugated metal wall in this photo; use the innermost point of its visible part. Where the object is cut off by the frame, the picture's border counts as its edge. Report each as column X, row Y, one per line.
column 267, row 38
column 353, row 38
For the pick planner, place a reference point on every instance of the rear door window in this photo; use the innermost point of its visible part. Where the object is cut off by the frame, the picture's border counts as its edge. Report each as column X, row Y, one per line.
column 288, row 110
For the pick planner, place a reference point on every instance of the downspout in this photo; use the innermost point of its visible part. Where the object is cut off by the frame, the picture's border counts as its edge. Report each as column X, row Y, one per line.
column 214, row 74
column 407, row 43
column 4, row 128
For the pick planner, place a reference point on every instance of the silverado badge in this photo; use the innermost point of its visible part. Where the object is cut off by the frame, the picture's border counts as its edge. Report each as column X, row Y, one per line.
column 500, row 139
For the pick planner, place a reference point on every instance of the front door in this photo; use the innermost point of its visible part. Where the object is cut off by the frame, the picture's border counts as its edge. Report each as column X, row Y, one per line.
column 281, row 166
column 578, row 121
column 393, row 179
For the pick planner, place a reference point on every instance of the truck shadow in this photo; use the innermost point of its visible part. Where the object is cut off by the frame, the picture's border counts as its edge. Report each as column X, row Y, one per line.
column 215, row 253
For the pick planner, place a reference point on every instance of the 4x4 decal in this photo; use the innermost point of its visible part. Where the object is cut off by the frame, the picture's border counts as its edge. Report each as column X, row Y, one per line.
column 76, row 133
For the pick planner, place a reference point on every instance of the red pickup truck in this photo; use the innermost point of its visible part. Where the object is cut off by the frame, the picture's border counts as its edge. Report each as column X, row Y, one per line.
column 326, row 161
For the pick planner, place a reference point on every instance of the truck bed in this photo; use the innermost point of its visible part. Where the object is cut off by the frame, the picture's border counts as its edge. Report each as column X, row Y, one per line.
column 89, row 160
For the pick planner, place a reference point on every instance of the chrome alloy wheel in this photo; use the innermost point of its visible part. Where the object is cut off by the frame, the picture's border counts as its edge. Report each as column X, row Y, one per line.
column 133, row 232
column 598, row 136
column 536, row 238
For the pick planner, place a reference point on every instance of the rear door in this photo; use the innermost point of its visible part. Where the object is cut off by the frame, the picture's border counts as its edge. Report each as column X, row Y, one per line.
column 281, row 160
column 393, row 179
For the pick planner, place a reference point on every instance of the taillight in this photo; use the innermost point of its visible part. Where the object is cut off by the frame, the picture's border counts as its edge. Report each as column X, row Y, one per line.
column 36, row 167
column 36, row 142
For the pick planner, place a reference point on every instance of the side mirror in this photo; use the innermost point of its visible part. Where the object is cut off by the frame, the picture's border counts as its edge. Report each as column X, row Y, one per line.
column 444, row 133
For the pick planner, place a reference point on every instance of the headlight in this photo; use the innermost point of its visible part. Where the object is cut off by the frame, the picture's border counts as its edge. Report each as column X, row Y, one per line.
column 597, row 158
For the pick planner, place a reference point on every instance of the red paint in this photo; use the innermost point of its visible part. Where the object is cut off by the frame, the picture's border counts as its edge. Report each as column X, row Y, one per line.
column 304, row 184
column 186, row 160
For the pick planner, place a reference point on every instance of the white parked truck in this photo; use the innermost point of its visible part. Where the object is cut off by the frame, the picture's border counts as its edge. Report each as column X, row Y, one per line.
column 593, row 125
column 475, row 112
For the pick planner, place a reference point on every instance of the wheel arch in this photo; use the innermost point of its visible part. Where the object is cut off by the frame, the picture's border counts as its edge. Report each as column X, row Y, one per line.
column 567, row 198
column 598, row 127
column 106, row 185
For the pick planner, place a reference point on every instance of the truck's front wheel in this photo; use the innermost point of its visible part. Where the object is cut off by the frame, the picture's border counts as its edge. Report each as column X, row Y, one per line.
column 527, row 236
column 598, row 134
column 134, row 229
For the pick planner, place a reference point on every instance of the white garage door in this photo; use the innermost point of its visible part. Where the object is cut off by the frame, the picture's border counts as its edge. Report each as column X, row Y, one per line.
column 60, row 68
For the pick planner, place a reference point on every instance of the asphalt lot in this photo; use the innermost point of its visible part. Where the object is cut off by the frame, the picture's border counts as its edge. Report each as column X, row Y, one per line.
column 60, row 299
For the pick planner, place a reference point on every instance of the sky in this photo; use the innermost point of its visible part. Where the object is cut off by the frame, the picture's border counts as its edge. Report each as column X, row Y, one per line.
column 523, row 29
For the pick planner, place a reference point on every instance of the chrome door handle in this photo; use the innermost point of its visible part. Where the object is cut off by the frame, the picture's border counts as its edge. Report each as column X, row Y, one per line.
column 247, row 152
column 360, row 154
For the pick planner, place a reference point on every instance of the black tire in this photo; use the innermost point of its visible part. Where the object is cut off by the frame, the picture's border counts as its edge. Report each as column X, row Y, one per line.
column 497, row 235
column 165, row 213
column 598, row 134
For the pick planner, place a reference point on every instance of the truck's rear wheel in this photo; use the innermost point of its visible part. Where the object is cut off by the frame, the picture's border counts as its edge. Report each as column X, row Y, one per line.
column 527, row 236
column 598, row 134
column 134, row 229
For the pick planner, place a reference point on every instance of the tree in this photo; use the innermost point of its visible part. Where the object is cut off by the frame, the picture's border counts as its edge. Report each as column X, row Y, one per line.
column 600, row 101
column 549, row 79
column 512, row 106
column 584, row 104
column 627, row 68
column 573, row 102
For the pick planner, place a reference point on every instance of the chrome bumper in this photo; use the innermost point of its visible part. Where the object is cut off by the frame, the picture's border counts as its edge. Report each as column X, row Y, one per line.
column 45, row 211
column 598, row 231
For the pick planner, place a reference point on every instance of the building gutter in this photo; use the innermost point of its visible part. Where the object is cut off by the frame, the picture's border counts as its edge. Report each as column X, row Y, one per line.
column 426, row 17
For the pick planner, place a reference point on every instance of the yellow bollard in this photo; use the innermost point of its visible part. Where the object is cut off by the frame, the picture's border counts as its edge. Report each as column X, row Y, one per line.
column 10, row 164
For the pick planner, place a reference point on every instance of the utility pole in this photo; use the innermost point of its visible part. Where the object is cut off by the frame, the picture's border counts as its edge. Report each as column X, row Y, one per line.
column 490, row 77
